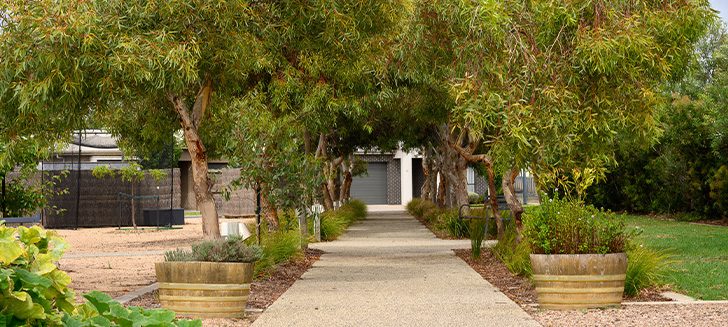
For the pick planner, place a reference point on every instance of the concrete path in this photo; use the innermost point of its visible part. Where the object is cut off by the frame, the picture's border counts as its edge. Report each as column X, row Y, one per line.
column 389, row 270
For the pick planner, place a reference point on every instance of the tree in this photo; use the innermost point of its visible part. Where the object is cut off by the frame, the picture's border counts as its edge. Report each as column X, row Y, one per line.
column 169, row 61
column 549, row 85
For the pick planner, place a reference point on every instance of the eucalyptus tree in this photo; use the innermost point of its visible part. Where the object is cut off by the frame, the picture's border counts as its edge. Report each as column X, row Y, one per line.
column 548, row 85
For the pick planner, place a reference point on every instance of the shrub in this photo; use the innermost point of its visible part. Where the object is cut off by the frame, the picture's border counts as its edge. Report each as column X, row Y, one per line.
column 431, row 215
column 278, row 247
column 101, row 310
column 332, row 226
column 474, row 198
column 477, row 234
column 448, row 221
column 514, row 255
column 569, row 227
column 357, row 207
column 418, row 207
column 645, row 268
column 232, row 249
column 35, row 292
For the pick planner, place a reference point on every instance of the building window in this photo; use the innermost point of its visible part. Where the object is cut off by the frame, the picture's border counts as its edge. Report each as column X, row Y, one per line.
column 471, row 180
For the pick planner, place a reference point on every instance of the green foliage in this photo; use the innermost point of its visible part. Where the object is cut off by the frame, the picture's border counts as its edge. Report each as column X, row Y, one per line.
column 678, row 173
column 449, row 221
column 646, row 268
column 231, row 249
column 34, row 290
column 719, row 190
column 102, row 171
column 475, row 198
column 101, row 310
column 278, row 247
column 418, row 206
column 335, row 222
column 476, row 229
column 514, row 255
column 561, row 226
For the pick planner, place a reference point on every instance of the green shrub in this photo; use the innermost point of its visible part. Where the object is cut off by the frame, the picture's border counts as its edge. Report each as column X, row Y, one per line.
column 477, row 234
column 431, row 215
column 449, row 222
column 332, row 225
column 569, row 227
column 475, row 198
column 645, row 268
column 232, row 249
column 357, row 207
column 35, row 292
column 278, row 247
column 515, row 256
column 420, row 207
column 101, row 310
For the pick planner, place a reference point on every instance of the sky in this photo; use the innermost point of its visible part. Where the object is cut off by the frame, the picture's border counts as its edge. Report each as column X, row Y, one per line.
column 722, row 6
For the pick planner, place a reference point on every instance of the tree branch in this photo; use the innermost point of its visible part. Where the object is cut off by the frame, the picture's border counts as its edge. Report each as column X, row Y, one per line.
column 201, row 102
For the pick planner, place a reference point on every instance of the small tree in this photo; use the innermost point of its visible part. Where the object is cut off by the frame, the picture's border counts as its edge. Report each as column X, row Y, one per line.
column 132, row 174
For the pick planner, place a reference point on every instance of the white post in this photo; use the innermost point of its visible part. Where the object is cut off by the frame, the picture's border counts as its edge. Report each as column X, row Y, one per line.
column 405, row 160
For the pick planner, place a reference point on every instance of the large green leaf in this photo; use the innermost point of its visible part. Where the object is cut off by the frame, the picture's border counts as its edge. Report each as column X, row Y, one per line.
column 31, row 280
column 20, row 305
column 9, row 251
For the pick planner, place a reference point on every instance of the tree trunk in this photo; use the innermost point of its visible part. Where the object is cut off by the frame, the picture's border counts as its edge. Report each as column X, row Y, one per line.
column 509, row 191
column 327, row 201
column 133, row 204
column 441, row 191
column 493, row 199
column 303, row 227
column 271, row 212
column 426, row 171
column 201, row 183
column 346, row 168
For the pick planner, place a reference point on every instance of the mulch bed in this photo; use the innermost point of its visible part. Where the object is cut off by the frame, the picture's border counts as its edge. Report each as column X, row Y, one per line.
column 520, row 289
column 263, row 291
column 722, row 222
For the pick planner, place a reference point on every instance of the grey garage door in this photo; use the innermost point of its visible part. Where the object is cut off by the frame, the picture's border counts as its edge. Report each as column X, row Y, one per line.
column 372, row 188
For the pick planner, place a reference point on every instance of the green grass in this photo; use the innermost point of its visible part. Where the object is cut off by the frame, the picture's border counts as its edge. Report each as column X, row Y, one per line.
column 192, row 213
column 701, row 270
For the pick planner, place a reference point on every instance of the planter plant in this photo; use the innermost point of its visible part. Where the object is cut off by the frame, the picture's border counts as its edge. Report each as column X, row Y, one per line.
column 577, row 255
column 211, row 280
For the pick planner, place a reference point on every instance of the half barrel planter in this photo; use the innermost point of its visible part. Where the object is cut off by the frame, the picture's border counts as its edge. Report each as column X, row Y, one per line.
column 205, row 289
column 579, row 281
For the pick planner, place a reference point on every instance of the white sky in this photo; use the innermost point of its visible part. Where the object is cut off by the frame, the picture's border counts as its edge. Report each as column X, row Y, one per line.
column 722, row 6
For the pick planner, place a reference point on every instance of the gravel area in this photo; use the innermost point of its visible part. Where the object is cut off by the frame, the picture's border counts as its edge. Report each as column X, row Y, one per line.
column 693, row 315
column 118, row 261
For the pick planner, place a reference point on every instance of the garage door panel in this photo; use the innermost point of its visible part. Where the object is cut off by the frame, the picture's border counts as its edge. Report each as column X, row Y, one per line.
column 372, row 188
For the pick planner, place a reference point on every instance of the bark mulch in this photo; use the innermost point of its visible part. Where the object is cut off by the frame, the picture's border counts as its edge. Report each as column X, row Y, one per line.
column 520, row 289
column 263, row 291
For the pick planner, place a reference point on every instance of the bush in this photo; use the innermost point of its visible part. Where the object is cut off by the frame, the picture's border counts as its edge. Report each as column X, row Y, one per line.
column 278, row 247
column 418, row 207
column 448, row 221
column 514, row 255
column 431, row 215
column 645, row 268
column 101, row 310
column 232, row 249
column 358, row 208
column 477, row 234
column 474, row 198
column 332, row 226
column 569, row 227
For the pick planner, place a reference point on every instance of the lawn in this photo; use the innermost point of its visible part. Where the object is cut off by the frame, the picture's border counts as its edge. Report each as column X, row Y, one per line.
column 701, row 251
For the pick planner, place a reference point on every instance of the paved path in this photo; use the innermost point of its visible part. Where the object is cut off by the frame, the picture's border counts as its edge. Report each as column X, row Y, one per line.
column 389, row 270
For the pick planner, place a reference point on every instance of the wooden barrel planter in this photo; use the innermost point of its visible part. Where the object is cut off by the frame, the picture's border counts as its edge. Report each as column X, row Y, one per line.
column 579, row 281
column 205, row 289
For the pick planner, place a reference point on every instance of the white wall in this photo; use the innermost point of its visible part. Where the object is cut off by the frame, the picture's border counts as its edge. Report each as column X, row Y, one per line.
column 405, row 161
